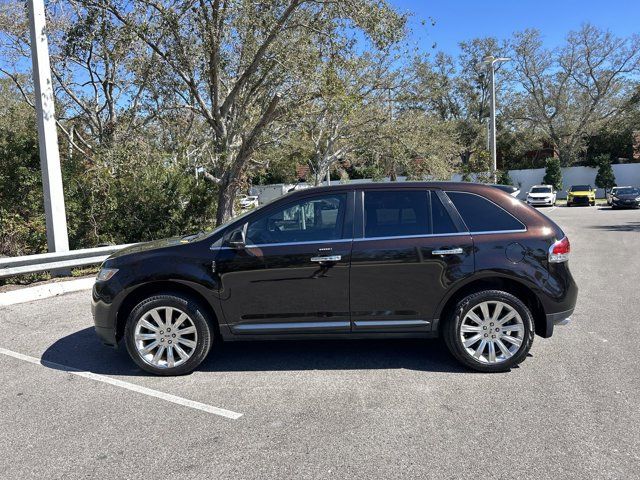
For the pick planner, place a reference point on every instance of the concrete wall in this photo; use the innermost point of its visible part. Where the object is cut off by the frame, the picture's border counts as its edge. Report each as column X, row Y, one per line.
column 626, row 174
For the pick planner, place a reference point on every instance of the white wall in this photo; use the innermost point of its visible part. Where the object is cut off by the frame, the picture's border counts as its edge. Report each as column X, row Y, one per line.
column 626, row 174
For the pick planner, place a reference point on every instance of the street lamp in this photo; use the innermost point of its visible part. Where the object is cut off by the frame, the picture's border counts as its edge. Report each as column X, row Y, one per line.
column 490, row 61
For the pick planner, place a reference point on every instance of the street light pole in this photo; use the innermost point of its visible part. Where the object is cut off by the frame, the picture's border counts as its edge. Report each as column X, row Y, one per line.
column 56, row 221
column 490, row 61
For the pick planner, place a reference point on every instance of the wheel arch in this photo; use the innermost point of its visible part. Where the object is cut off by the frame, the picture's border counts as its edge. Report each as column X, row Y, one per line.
column 507, row 284
column 135, row 296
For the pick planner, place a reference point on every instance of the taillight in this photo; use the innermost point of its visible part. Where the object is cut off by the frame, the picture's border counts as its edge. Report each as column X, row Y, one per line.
column 559, row 251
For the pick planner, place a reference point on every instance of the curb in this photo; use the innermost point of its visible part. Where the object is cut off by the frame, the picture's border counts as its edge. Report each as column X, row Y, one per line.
column 48, row 290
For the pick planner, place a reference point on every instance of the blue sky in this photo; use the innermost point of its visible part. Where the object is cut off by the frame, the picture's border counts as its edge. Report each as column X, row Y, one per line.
column 457, row 20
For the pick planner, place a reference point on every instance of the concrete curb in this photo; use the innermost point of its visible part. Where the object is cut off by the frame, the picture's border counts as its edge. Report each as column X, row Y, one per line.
column 48, row 290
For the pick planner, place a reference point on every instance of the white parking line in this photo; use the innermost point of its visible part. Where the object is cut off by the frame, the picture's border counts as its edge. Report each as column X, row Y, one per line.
column 126, row 385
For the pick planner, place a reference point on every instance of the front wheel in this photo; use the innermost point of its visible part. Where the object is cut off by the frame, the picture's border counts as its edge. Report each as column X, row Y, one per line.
column 168, row 334
column 489, row 331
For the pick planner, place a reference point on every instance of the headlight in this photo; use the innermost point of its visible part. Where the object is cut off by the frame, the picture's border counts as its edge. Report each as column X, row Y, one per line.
column 105, row 274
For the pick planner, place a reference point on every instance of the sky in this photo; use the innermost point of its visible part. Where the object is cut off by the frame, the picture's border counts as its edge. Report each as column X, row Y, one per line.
column 458, row 20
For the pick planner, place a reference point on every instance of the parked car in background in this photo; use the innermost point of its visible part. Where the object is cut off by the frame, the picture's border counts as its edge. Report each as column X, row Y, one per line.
column 465, row 262
column 626, row 197
column 248, row 201
column 612, row 193
column 510, row 189
column 581, row 195
column 542, row 195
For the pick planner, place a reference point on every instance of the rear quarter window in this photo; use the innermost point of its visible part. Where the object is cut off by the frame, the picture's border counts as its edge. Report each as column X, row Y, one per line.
column 482, row 215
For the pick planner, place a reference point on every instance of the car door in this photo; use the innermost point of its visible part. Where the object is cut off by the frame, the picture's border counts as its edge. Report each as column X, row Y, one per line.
column 408, row 250
column 288, row 270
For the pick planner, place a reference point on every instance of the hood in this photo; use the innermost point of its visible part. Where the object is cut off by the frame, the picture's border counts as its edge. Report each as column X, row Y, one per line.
column 581, row 193
column 627, row 196
column 540, row 195
column 147, row 246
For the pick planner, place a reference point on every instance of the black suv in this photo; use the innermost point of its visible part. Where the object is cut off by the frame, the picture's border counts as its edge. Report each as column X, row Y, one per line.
column 462, row 261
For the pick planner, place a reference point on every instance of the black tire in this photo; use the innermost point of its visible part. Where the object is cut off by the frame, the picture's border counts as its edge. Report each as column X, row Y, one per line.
column 198, row 316
column 451, row 330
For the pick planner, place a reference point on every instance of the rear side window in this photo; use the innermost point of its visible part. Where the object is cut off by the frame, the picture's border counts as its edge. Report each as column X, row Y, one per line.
column 396, row 213
column 440, row 218
column 482, row 215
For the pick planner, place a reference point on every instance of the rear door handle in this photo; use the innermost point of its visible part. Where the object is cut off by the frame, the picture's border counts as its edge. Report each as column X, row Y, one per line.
column 328, row 258
column 452, row 251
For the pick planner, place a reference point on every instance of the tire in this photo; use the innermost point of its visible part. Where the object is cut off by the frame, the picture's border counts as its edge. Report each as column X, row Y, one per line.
column 187, row 350
column 502, row 362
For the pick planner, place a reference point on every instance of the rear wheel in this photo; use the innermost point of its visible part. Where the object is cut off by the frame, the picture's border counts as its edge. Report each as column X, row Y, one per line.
column 490, row 331
column 168, row 334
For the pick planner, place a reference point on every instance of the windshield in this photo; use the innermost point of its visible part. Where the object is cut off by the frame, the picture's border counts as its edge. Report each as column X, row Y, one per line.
column 580, row 188
column 628, row 191
column 541, row 190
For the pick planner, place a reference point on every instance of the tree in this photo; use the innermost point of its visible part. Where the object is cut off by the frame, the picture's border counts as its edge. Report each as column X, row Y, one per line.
column 505, row 178
column 605, row 177
column 457, row 90
column 553, row 173
column 571, row 92
column 240, row 66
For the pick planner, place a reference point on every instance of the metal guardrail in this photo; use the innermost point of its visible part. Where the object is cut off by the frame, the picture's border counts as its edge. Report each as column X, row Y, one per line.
column 10, row 266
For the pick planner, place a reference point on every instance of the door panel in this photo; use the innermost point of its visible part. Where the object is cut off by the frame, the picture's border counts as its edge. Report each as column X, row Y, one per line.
column 293, row 274
column 400, row 268
column 279, row 289
column 396, row 284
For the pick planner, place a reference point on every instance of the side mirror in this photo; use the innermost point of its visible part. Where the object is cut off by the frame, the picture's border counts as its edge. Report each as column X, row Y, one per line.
column 236, row 240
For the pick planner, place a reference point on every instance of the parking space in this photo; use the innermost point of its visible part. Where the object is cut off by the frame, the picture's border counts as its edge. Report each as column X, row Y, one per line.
column 331, row 409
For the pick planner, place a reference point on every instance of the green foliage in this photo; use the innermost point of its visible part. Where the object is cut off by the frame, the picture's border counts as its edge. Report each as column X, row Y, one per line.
column 478, row 169
column 605, row 177
column 504, row 178
column 22, row 222
column 553, row 173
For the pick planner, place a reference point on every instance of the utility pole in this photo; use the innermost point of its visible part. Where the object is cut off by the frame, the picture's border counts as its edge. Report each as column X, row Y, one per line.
column 490, row 61
column 57, row 237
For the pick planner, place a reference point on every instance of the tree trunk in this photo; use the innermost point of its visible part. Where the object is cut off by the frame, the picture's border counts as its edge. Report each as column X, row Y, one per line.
column 226, row 196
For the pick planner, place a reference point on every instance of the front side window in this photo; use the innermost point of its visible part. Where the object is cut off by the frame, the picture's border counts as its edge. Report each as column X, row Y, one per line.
column 308, row 220
column 396, row 213
column 482, row 215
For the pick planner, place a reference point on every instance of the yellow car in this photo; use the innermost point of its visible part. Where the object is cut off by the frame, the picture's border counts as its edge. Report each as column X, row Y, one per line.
column 581, row 195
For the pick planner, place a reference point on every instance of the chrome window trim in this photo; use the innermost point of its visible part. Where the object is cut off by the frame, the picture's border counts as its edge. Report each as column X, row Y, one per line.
column 344, row 240
column 426, row 235
column 309, row 242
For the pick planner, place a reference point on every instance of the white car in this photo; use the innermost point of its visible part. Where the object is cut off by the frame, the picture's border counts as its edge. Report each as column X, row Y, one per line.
column 248, row 201
column 542, row 195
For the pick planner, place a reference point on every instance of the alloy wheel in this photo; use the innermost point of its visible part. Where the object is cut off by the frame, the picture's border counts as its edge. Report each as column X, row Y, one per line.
column 165, row 337
column 492, row 332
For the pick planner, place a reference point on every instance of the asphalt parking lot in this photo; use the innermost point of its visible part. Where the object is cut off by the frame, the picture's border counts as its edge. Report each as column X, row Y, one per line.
column 319, row 409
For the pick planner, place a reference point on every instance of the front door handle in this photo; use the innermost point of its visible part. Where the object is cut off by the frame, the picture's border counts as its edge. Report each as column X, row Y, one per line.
column 328, row 258
column 452, row 251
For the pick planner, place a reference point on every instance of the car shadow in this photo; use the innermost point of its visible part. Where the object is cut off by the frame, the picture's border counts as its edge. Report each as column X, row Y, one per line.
column 83, row 351
column 628, row 227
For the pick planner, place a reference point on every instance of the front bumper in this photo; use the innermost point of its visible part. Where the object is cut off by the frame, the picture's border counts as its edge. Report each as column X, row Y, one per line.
column 104, row 317
column 625, row 203
column 580, row 200
column 540, row 201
